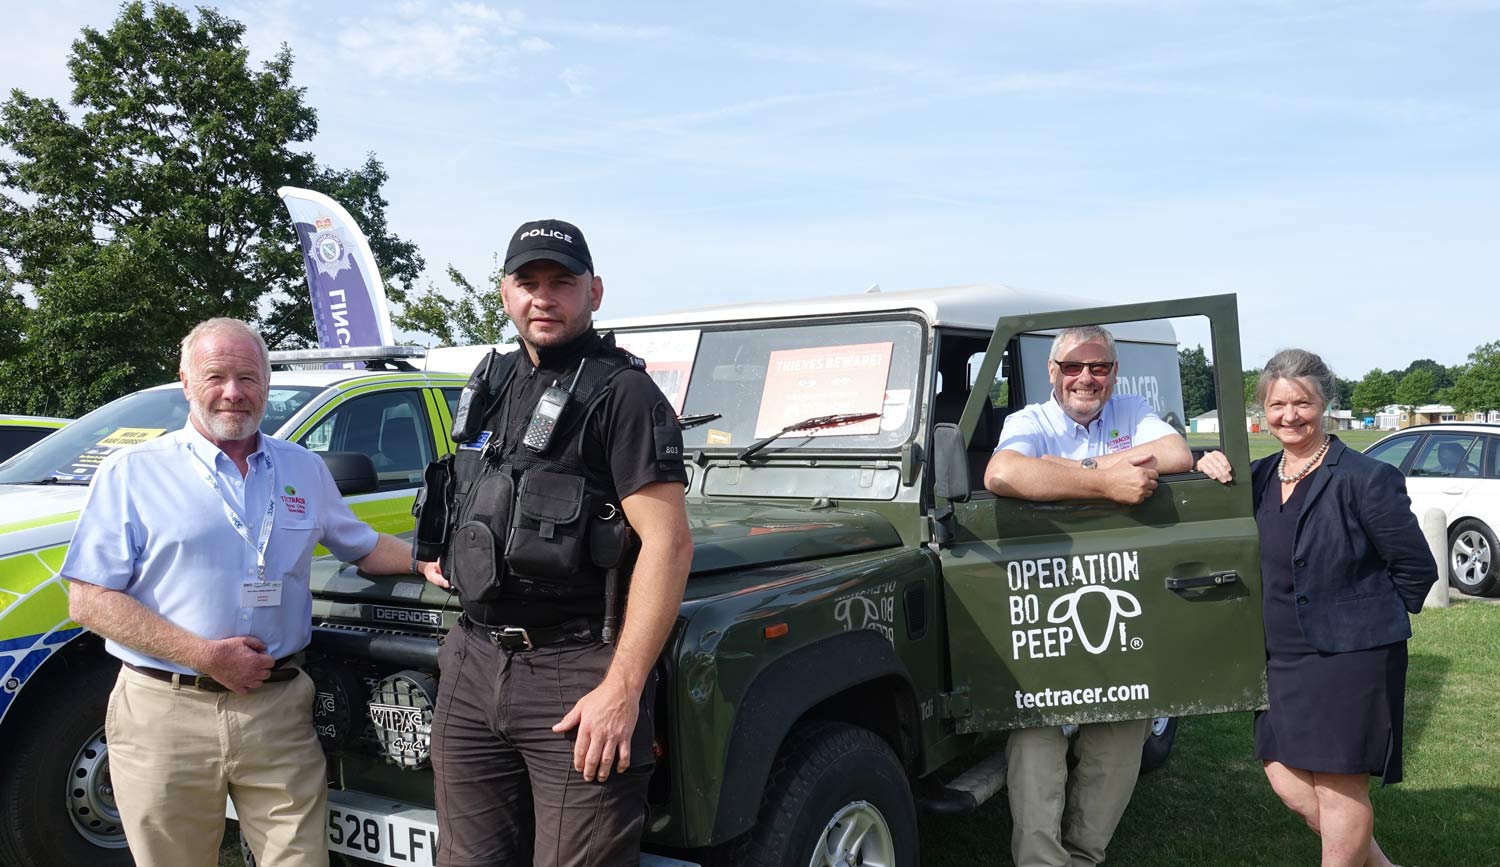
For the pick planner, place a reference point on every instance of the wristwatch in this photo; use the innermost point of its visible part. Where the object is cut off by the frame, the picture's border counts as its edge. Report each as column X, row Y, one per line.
column 1089, row 464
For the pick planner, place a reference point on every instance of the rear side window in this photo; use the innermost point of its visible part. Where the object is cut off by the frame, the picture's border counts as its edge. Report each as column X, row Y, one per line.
column 391, row 427
column 13, row 439
column 1447, row 456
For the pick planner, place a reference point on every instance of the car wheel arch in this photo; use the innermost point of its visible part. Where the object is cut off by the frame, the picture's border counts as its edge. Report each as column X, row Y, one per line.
column 852, row 666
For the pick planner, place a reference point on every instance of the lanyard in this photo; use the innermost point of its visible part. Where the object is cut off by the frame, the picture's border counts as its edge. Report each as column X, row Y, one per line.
column 259, row 545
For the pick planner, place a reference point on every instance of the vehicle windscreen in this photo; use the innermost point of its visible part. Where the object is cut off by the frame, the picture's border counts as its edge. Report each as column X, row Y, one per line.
column 768, row 377
column 71, row 455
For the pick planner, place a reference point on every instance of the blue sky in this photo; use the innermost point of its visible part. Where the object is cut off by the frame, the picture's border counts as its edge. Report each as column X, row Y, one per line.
column 1335, row 164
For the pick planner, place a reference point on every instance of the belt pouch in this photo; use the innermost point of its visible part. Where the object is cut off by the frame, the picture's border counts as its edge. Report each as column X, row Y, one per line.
column 431, row 509
column 547, row 530
column 473, row 563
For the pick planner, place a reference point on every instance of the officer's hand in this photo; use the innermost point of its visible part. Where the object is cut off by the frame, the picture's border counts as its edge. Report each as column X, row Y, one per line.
column 433, row 573
column 605, row 719
column 240, row 663
column 1216, row 466
column 1133, row 481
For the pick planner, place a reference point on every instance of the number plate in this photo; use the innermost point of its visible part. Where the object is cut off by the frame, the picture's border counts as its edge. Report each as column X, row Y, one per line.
column 381, row 831
column 390, row 832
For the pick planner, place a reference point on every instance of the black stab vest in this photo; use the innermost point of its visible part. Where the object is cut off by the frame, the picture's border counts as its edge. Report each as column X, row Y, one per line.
column 527, row 524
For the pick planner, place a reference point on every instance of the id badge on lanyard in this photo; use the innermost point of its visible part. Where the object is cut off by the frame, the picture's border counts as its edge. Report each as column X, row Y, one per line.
column 257, row 593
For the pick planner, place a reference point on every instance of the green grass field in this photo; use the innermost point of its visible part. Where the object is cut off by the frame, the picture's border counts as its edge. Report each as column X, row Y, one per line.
column 1210, row 804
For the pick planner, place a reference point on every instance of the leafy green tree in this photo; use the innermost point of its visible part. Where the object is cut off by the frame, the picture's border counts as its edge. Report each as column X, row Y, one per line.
column 1198, row 395
column 1477, row 384
column 1442, row 377
column 151, row 205
column 1252, row 379
column 1343, row 393
column 1415, row 389
column 476, row 317
column 1375, row 391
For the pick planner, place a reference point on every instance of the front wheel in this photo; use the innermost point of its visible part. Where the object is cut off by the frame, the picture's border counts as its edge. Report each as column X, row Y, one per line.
column 837, row 796
column 1471, row 558
column 57, row 804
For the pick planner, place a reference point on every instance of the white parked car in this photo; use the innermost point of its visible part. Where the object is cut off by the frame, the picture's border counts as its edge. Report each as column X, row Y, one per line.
column 1456, row 468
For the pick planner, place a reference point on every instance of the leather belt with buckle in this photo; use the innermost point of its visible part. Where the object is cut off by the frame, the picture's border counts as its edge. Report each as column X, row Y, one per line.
column 284, row 670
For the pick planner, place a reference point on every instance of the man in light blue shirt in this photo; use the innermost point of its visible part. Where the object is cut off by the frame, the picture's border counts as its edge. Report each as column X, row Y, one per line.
column 192, row 558
column 1084, row 442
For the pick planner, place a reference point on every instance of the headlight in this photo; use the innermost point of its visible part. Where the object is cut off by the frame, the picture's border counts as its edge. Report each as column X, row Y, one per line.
column 340, row 692
column 401, row 711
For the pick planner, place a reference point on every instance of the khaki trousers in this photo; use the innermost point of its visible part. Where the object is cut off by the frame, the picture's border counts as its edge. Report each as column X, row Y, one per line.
column 1063, row 822
column 175, row 753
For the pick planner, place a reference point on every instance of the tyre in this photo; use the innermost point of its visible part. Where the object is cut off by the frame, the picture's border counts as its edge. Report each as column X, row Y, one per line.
column 1159, row 743
column 836, row 795
column 1471, row 558
column 56, row 802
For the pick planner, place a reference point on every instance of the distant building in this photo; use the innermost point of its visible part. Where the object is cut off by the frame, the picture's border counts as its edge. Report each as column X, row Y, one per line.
column 1395, row 417
column 1340, row 419
column 1208, row 422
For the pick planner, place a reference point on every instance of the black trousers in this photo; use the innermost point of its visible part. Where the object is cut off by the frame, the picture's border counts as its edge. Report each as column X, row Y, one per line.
column 507, row 793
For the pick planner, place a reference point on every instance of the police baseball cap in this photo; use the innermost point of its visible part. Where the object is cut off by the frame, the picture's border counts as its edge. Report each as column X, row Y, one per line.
column 553, row 240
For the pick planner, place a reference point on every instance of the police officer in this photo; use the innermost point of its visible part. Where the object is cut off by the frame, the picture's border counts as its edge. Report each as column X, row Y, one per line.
column 542, row 734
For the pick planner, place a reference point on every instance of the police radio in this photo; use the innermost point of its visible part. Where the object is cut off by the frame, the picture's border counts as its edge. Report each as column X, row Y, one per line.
column 549, row 409
column 469, row 416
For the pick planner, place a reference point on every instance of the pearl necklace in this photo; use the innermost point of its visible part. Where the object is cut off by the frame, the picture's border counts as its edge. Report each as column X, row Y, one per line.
column 1306, row 468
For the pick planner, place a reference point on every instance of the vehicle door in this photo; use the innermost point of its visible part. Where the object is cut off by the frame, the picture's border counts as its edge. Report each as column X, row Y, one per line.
column 1083, row 611
column 394, row 426
column 1443, row 471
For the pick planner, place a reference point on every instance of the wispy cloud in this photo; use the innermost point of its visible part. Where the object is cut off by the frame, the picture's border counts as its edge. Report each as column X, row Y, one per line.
column 575, row 79
column 599, row 32
column 415, row 40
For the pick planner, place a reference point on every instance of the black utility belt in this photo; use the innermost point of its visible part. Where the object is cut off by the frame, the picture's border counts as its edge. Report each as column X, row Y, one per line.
column 519, row 639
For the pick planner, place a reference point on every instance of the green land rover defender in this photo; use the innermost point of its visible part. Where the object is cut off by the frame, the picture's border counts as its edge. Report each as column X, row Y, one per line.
column 861, row 612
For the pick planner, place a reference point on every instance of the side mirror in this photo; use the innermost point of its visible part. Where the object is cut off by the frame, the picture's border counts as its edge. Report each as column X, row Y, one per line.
column 950, row 463
column 353, row 472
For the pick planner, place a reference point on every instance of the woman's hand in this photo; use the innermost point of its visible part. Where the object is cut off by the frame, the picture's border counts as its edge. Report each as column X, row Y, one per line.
column 1216, row 466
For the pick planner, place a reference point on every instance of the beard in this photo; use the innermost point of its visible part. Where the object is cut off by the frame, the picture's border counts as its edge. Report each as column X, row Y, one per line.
column 226, row 427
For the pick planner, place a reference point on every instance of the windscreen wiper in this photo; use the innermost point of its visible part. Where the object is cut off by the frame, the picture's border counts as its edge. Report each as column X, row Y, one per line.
column 817, row 421
column 688, row 421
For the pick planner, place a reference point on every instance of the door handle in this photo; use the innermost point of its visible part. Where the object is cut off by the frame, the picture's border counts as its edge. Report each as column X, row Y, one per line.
column 1453, row 490
column 1212, row 579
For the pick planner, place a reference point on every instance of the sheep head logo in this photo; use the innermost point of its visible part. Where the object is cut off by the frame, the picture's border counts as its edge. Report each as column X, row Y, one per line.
column 1064, row 610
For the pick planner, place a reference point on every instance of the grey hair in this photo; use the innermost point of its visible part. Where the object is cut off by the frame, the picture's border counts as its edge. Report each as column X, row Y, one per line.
column 1298, row 364
column 1082, row 334
column 226, row 326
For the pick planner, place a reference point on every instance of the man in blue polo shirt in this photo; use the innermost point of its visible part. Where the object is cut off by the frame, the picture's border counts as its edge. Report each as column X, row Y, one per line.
column 191, row 558
column 1084, row 442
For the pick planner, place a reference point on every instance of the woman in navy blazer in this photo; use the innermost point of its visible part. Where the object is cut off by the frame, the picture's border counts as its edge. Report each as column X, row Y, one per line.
column 1342, row 563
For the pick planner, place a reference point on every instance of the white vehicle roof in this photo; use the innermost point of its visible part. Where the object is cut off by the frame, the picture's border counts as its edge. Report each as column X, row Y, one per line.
column 975, row 306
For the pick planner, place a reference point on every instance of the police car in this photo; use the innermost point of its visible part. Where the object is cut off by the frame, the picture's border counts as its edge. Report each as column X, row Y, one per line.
column 377, row 427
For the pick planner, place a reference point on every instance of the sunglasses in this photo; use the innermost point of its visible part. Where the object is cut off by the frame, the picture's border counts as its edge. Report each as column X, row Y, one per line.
column 1073, row 368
